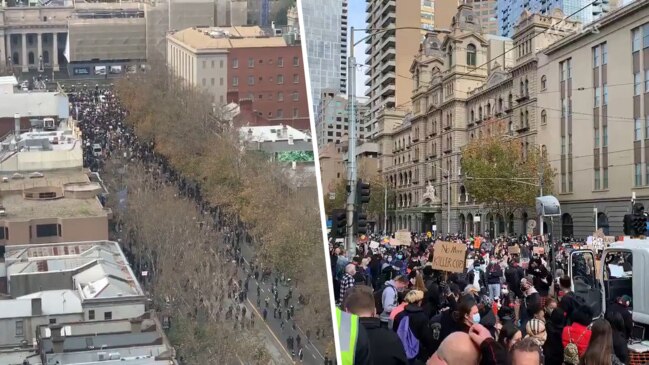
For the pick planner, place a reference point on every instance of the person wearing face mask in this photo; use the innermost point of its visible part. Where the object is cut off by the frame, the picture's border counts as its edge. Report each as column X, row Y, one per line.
column 530, row 304
column 621, row 306
column 465, row 315
column 494, row 274
column 477, row 278
column 417, row 324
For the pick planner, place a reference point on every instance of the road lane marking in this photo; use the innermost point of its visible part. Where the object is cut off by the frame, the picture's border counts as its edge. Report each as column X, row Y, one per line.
column 271, row 332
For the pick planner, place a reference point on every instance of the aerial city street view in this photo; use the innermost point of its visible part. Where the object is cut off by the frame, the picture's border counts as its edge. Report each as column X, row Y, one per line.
column 159, row 200
column 484, row 169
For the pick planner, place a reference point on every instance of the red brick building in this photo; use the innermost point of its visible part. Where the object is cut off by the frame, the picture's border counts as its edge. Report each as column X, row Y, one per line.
column 273, row 77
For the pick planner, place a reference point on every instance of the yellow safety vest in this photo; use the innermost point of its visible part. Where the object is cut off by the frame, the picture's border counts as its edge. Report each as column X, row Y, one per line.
column 347, row 334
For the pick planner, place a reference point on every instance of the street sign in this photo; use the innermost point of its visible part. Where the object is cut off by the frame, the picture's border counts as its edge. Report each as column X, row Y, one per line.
column 476, row 219
column 434, row 227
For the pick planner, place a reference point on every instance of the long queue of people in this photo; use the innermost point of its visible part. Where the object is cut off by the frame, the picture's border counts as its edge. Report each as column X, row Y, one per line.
column 503, row 309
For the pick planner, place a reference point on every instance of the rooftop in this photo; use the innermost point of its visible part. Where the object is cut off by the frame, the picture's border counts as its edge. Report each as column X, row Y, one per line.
column 34, row 104
column 272, row 134
column 212, row 38
column 54, row 302
column 99, row 268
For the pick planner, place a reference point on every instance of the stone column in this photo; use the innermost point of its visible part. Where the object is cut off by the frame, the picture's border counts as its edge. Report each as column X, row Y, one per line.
column 8, row 52
column 55, row 53
column 39, row 51
column 24, row 61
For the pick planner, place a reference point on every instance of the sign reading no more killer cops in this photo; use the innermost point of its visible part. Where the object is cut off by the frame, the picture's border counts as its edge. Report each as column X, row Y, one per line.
column 449, row 256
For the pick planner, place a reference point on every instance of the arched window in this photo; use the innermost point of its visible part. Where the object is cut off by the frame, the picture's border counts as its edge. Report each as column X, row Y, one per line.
column 30, row 57
column 527, row 118
column 544, row 117
column 510, row 128
column 488, row 111
column 472, row 115
column 527, row 91
column 500, row 104
column 510, row 101
column 471, row 56
column 602, row 222
column 450, row 56
column 544, row 81
column 522, row 88
column 480, row 113
column 566, row 225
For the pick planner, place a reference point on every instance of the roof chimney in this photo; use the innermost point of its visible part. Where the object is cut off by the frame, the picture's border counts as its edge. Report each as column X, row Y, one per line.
column 37, row 307
column 17, row 126
column 57, row 338
column 136, row 325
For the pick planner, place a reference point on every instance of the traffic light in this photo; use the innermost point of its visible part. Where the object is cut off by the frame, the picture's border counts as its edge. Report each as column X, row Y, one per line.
column 338, row 223
column 361, row 223
column 362, row 192
column 635, row 224
column 640, row 224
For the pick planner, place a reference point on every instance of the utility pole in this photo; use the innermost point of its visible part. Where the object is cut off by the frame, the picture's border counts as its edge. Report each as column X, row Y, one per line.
column 448, row 207
column 351, row 152
column 541, row 173
column 385, row 208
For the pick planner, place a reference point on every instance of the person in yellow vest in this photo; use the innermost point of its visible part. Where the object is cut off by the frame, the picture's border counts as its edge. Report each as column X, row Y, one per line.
column 354, row 342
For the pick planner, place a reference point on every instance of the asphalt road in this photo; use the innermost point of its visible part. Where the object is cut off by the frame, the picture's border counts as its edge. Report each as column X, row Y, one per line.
column 312, row 355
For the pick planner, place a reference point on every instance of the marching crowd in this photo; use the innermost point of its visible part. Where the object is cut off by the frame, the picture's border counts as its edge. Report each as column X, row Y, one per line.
column 504, row 308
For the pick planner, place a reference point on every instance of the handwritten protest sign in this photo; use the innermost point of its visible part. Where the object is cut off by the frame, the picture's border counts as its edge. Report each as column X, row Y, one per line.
column 403, row 237
column 538, row 250
column 449, row 256
column 514, row 250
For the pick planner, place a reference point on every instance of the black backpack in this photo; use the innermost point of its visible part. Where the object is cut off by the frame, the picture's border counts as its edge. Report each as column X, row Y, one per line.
column 378, row 299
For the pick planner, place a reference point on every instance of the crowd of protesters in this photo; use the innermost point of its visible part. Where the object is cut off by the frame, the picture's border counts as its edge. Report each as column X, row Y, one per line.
column 101, row 118
column 504, row 308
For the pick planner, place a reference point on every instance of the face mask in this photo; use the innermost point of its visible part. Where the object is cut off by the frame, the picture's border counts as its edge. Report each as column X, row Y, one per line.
column 399, row 257
column 475, row 318
column 505, row 291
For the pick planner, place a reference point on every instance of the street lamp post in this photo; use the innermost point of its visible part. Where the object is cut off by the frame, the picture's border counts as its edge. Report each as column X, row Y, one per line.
column 448, row 197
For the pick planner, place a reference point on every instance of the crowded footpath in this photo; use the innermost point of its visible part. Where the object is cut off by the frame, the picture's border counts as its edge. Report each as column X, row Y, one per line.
column 475, row 300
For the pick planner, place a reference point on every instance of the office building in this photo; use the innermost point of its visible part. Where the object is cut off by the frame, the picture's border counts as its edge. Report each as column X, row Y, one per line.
column 389, row 54
column 509, row 12
column 325, row 28
column 239, row 63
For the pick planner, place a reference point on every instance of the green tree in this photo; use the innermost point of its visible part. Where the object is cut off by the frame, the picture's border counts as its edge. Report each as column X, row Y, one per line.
column 502, row 175
column 376, row 207
column 340, row 197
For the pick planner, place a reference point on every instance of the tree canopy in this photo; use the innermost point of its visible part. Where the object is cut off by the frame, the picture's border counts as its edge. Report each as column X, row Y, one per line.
column 504, row 176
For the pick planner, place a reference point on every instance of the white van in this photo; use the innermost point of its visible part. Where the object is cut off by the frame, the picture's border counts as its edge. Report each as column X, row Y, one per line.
column 97, row 151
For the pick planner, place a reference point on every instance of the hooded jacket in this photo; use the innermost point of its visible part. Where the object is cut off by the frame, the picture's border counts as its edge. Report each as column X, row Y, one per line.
column 385, row 345
column 418, row 321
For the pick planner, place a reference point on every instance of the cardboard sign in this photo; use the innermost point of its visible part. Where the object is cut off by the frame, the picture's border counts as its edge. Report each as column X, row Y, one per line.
column 403, row 237
column 514, row 250
column 374, row 245
column 449, row 256
column 538, row 250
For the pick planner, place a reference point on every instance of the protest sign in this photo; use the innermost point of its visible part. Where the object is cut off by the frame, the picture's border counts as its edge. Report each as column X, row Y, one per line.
column 449, row 256
column 538, row 250
column 514, row 250
column 374, row 244
column 403, row 237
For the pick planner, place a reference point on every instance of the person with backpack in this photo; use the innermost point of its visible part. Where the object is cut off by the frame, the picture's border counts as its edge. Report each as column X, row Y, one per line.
column 387, row 298
column 576, row 337
column 411, row 325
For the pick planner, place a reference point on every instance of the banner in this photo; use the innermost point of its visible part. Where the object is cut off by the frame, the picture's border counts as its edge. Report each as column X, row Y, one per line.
column 116, row 69
column 100, row 70
column 449, row 256
column 403, row 237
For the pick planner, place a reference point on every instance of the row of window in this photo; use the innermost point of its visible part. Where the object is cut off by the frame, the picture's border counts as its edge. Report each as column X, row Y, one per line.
column 213, row 63
column 20, row 324
column 638, row 35
column 637, row 82
column 251, row 62
column 600, row 53
column 251, row 80
column 637, row 174
column 601, row 178
column 42, row 230
column 637, row 128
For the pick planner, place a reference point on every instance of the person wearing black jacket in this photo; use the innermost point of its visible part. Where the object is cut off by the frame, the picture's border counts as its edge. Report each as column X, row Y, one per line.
column 569, row 302
column 494, row 273
column 620, row 342
column 542, row 278
column 530, row 304
column 513, row 276
column 418, row 323
column 553, row 347
column 384, row 345
column 482, row 277
column 620, row 306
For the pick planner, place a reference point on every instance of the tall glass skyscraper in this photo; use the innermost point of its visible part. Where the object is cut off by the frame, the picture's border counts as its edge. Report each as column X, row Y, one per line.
column 325, row 28
column 508, row 12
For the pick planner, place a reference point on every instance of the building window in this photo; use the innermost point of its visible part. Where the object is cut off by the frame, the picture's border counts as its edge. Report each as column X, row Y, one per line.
column 47, row 230
column 597, row 180
column 635, row 39
column 605, row 178
column 604, row 54
column 544, row 82
column 645, row 36
column 596, row 135
column 280, row 62
column 637, row 130
column 646, row 80
column 251, row 80
column 605, row 89
column 108, row 316
column 280, row 96
column 91, row 314
column 296, row 78
column 562, row 67
column 20, row 330
column 595, row 56
column 235, row 80
column 605, row 136
column 204, row 64
column 280, row 79
column 213, row 63
column 638, row 174
column 4, row 233
column 296, row 96
column 204, row 82
column 471, row 56
column 251, row 62
column 52, row 320
column 212, row 81
column 235, row 63
column 221, row 81
column 296, row 113
column 597, row 95
column 296, row 61
column 220, row 63
column 280, row 113
column 569, row 69
column 636, row 83
column 646, row 127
